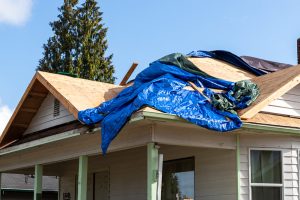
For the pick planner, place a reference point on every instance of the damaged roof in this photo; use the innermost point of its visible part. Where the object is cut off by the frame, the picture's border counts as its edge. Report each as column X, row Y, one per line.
column 77, row 94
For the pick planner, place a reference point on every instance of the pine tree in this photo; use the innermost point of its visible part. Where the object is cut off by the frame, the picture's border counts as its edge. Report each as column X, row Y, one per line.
column 91, row 44
column 58, row 52
column 78, row 45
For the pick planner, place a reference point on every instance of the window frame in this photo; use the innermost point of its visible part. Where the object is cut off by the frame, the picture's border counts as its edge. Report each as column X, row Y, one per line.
column 185, row 158
column 280, row 185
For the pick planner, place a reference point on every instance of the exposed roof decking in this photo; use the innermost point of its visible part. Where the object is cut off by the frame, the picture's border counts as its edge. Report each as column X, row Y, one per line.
column 221, row 69
column 272, row 86
column 74, row 93
column 78, row 94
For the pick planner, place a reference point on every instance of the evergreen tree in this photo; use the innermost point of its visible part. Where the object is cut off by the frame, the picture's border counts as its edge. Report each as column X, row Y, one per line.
column 91, row 44
column 79, row 45
column 58, row 52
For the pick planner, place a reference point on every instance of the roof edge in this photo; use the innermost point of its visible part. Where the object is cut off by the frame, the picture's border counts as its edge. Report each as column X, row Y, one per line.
column 25, row 95
column 42, row 80
column 290, row 77
column 246, row 125
column 66, row 103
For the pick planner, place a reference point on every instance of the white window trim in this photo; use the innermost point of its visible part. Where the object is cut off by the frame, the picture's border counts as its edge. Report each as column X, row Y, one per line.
column 265, row 184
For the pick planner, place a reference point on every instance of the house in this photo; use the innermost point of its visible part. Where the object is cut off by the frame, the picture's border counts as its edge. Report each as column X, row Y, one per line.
column 260, row 161
column 20, row 186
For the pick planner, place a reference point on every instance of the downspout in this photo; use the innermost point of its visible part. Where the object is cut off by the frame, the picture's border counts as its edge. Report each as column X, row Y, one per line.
column 238, row 180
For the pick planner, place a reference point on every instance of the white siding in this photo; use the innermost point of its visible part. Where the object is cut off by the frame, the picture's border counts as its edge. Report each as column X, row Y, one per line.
column 44, row 117
column 215, row 176
column 67, row 185
column 127, row 174
column 290, row 162
column 288, row 104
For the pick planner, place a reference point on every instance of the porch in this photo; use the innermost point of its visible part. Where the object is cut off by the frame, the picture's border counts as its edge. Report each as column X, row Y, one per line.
column 202, row 164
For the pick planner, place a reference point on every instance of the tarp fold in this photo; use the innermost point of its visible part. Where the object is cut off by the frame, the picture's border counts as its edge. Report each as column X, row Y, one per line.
column 163, row 86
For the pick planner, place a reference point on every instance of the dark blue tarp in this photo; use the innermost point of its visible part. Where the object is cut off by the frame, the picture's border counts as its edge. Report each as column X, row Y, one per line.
column 161, row 86
column 229, row 58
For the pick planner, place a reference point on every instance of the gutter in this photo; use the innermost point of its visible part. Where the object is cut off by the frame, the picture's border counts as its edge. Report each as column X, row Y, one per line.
column 274, row 129
column 43, row 141
column 281, row 130
column 139, row 116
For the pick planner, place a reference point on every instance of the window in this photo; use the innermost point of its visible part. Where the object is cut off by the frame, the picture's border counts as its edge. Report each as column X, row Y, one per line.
column 178, row 180
column 266, row 175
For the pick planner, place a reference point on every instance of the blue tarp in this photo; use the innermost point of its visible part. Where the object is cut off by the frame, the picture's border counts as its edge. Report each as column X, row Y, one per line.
column 162, row 86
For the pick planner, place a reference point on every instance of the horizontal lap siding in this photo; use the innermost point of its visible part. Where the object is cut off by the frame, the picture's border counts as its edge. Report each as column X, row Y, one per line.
column 44, row 117
column 127, row 174
column 291, row 174
column 287, row 104
column 215, row 174
column 290, row 162
column 244, row 173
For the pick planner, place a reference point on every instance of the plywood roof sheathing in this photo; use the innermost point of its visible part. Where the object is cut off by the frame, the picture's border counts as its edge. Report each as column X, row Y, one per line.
column 271, row 87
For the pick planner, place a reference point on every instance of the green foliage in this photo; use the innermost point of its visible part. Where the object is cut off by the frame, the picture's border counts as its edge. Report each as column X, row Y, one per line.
column 78, row 45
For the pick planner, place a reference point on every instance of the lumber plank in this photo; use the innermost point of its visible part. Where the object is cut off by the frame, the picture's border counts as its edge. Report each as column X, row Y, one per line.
column 129, row 73
column 272, row 86
column 275, row 120
column 220, row 69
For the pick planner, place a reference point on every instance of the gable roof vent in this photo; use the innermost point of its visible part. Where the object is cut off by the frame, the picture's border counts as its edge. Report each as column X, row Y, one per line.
column 56, row 111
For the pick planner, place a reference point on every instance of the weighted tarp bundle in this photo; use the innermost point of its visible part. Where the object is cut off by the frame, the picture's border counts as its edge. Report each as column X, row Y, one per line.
column 162, row 86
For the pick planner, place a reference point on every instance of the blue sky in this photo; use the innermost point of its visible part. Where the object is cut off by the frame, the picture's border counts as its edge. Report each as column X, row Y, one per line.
column 144, row 31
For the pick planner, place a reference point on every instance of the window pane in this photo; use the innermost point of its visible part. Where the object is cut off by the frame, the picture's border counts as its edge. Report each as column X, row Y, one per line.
column 266, row 193
column 178, row 179
column 265, row 166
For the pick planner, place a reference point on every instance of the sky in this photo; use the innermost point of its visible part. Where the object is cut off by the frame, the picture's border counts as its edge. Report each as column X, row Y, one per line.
column 143, row 31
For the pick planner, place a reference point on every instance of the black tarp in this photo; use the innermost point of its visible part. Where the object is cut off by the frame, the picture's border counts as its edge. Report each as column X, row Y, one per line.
column 265, row 65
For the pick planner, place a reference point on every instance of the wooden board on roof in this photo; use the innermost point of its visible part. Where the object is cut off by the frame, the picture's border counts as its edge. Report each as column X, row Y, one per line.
column 74, row 93
column 275, row 120
column 220, row 69
column 272, row 86
column 78, row 94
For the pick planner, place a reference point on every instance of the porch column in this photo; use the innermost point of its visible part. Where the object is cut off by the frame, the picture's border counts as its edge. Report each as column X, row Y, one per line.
column 152, row 170
column 82, row 178
column 238, row 185
column 38, row 182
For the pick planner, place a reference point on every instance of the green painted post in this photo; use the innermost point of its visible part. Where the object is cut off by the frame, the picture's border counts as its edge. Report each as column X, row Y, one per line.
column 238, row 185
column 82, row 178
column 152, row 170
column 38, row 182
